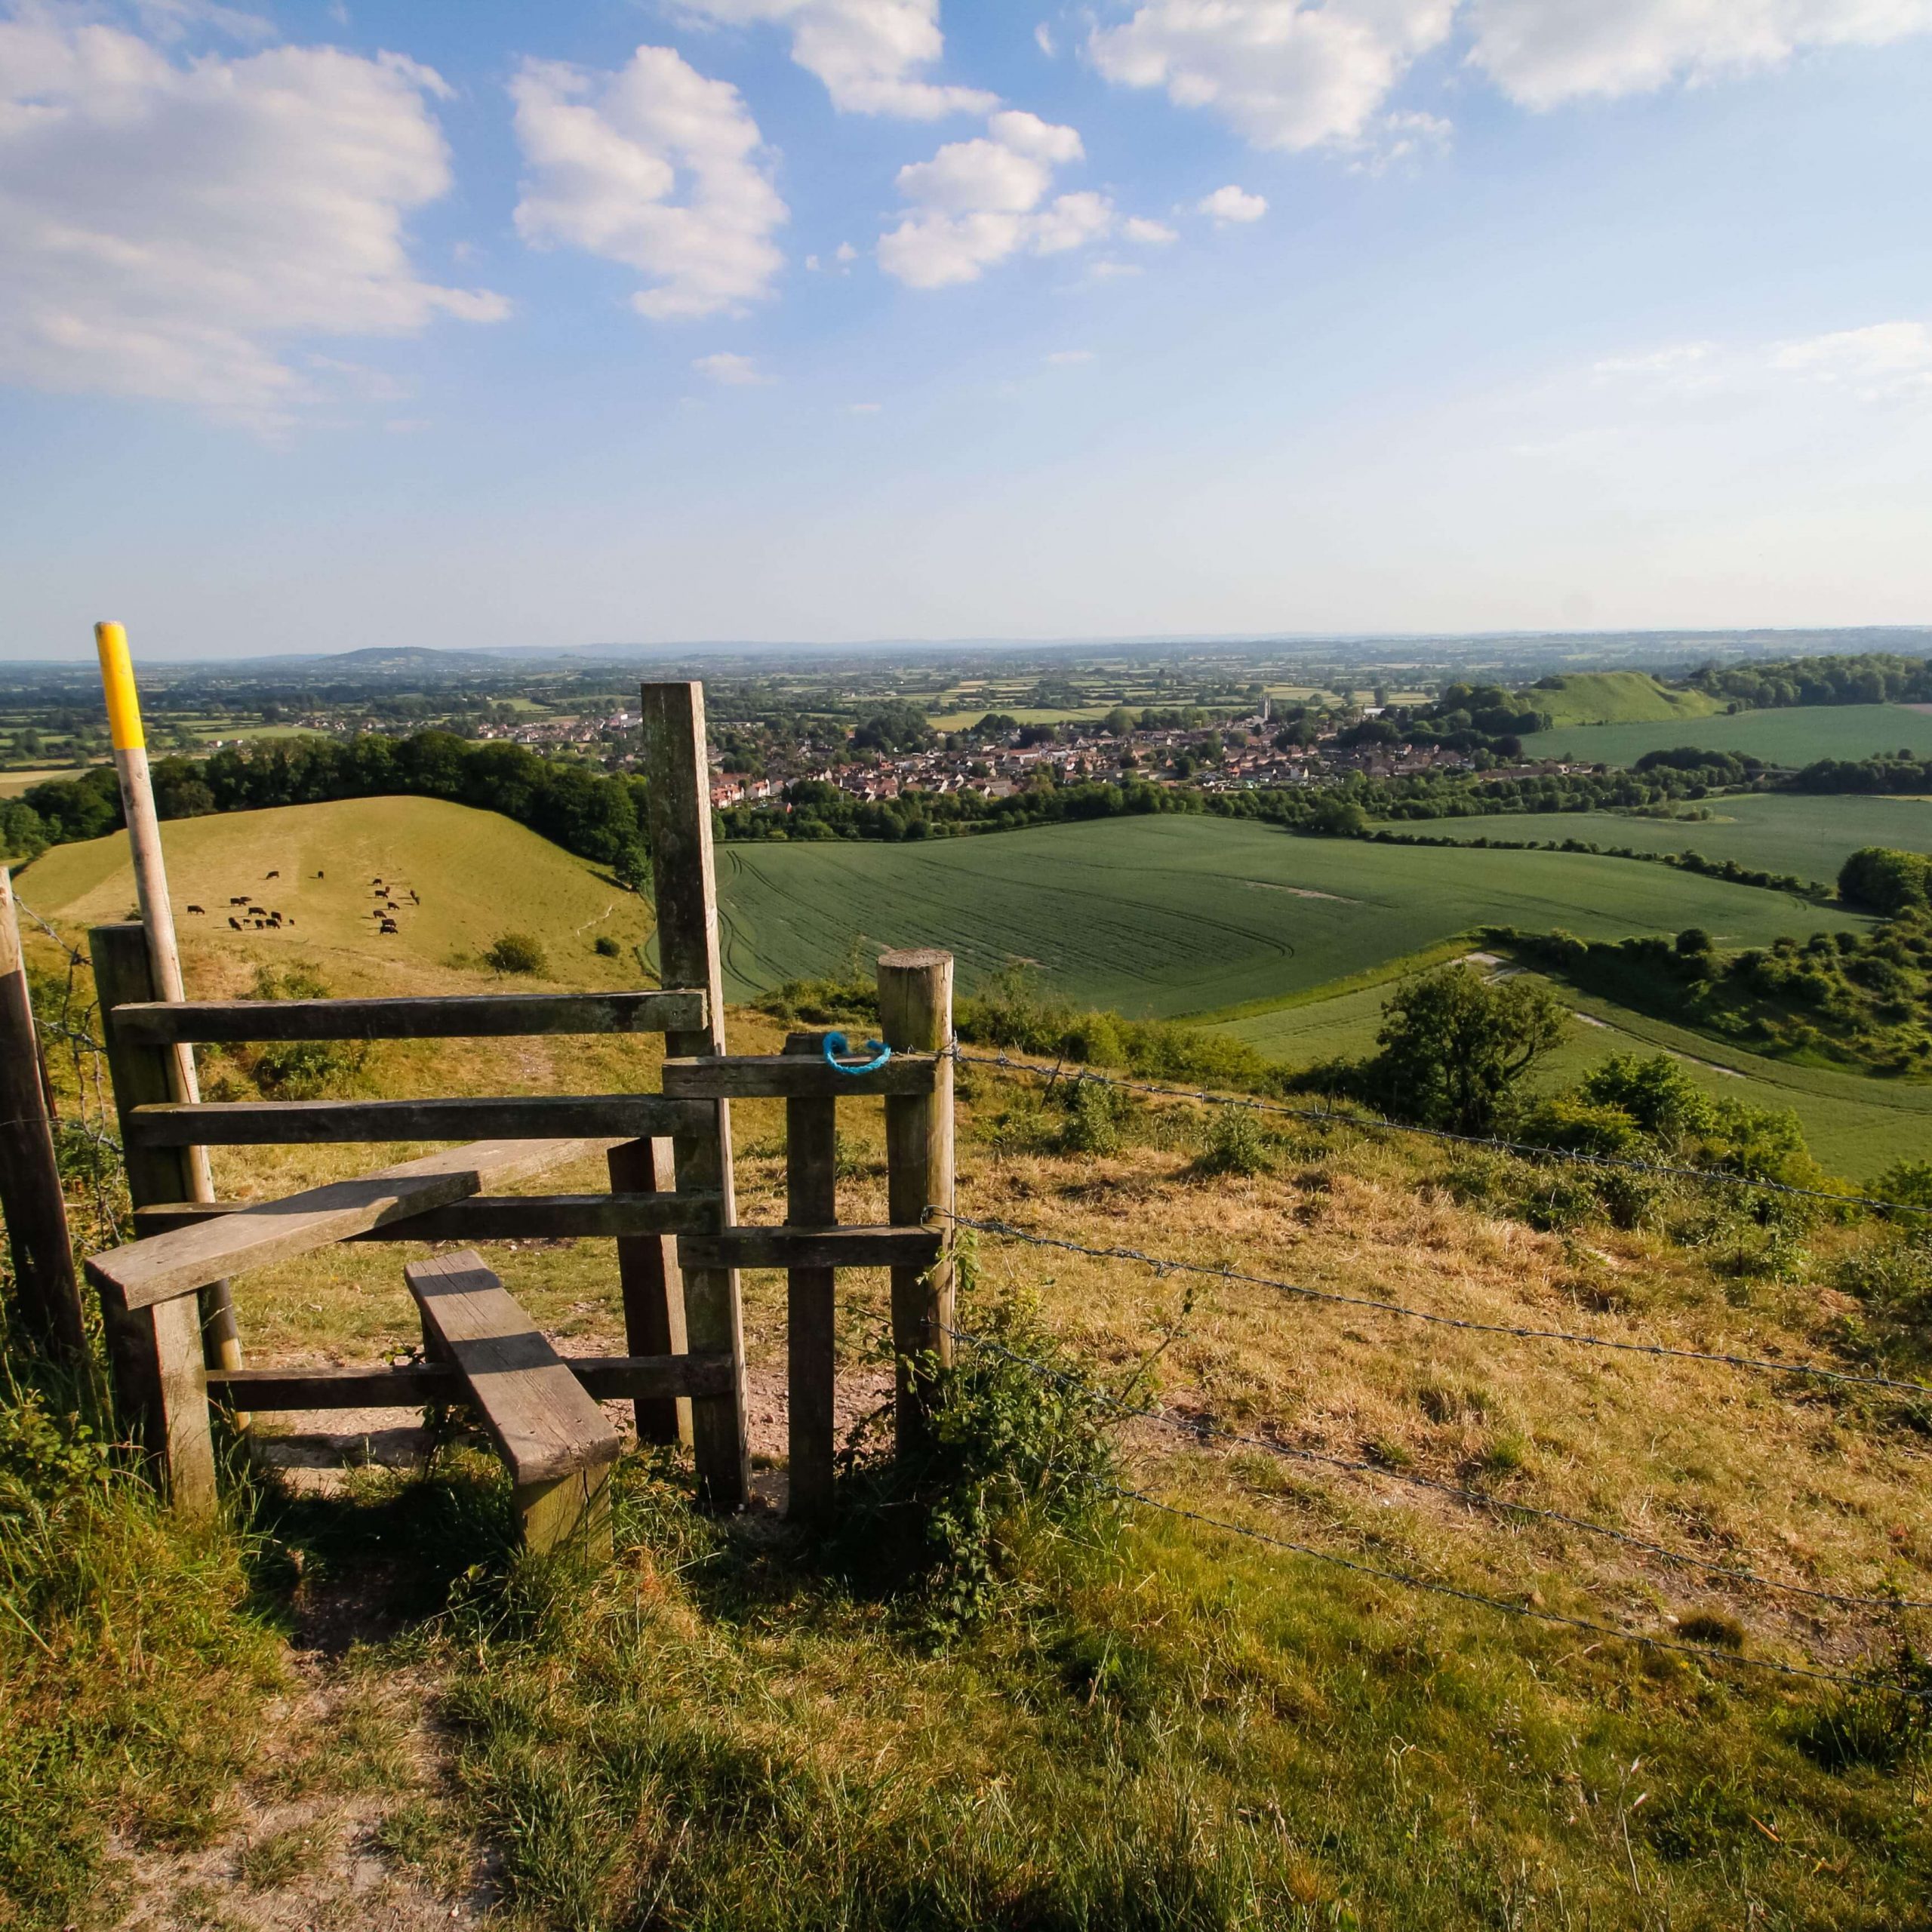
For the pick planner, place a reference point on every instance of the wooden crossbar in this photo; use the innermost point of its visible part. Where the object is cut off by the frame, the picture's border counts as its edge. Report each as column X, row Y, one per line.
column 795, row 1077
column 547, row 1427
column 515, row 1117
column 812, row 1247
column 156, row 1269
column 470, row 1016
column 606, row 1378
column 494, row 1217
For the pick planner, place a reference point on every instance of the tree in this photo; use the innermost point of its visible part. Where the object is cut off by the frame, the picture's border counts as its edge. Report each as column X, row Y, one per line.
column 1454, row 1045
column 1876, row 878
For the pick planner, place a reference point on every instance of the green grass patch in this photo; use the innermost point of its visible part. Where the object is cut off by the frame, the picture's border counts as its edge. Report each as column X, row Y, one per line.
column 1617, row 697
column 1797, row 735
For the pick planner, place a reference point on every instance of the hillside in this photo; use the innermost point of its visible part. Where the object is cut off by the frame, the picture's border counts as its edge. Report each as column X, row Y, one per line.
column 475, row 874
column 1794, row 736
column 1615, row 698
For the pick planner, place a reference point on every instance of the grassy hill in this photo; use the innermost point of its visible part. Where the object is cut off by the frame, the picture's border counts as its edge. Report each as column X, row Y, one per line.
column 1795, row 736
column 1809, row 837
column 475, row 874
column 1617, row 697
column 1175, row 916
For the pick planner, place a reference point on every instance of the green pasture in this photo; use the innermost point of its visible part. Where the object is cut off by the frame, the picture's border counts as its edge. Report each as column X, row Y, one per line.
column 1172, row 915
column 1855, row 1126
column 1769, row 832
column 1618, row 698
column 1795, row 737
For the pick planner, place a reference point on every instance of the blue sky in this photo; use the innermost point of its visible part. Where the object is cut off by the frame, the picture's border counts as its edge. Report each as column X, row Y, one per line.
column 326, row 325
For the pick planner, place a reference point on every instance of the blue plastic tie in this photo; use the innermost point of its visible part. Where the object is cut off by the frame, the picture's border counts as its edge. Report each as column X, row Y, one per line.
column 835, row 1045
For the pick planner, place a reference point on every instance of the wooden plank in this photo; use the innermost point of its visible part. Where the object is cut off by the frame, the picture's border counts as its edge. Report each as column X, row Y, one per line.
column 547, row 1425
column 677, row 811
column 811, row 1200
column 515, row 1117
column 154, row 1356
column 483, row 1218
column 649, row 1277
column 479, row 1016
column 163, row 1266
column 788, row 1246
column 788, row 1076
column 605, row 1378
column 915, row 1016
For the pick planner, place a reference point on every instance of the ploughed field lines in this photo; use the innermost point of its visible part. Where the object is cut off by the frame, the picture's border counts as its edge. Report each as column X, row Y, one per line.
column 1174, row 915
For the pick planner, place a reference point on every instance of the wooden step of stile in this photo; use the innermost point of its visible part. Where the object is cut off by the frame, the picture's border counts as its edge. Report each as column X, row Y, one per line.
column 556, row 1439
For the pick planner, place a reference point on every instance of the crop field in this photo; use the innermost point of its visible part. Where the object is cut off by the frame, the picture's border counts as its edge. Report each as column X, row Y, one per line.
column 1811, row 837
column 1795, row 736
column 1855, row 1126
column 475, row 873
column 1166, row 916
column 13, row 783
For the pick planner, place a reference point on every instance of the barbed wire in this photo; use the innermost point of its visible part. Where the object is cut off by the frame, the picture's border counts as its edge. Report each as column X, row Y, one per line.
column 1200, row 1428
column 1163, row 1265
column 1526, row 1611
column 1381, row 1124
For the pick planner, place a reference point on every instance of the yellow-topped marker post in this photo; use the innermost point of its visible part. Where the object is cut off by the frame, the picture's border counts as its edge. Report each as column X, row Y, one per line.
column 130, row 765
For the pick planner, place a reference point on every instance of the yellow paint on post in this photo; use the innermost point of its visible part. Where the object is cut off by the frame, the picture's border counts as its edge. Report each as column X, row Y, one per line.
column 117, row 678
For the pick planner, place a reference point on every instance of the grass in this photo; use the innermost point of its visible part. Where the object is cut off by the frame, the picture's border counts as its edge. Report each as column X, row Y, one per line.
column 469, row 868
column 1793, row 737
column 1810, row 837
column 1172, row 915
column 1157, row 1724
column 1618, row 698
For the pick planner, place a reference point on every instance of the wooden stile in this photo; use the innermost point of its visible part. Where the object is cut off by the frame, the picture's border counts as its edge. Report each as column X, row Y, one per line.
column 308, row 1123
column 915, row 1016
column 678, row 810
column 476, row 1016
column 480, row 1219
column 605, row 1378
column 649, row 1277
column 796, row 1077
column 811, row 1199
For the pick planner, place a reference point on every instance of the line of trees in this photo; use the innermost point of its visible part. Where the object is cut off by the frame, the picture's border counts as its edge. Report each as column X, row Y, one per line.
column 1877, row 677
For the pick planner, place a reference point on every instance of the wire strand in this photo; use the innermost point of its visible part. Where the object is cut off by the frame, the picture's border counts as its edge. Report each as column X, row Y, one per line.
column 1163, row 1265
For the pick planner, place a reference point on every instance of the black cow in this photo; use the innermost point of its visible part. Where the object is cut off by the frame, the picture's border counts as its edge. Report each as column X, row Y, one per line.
column 201, row 909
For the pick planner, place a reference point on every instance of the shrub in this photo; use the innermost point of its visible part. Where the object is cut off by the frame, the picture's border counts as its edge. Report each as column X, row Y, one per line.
column 516, row 952
column 1655, row 1092
column 605, row 947
column 1094, row 1114
column 1234, row 1144
column 1580, row 1126
column 301, row 1069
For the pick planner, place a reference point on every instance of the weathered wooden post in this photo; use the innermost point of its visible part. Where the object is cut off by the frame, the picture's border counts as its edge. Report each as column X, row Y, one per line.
column 221, row 1339
column 679, row 810
column 30, row 1197
column 652, row 1285
column 155, row 1355
column 915, row 1016
column 811, row 1201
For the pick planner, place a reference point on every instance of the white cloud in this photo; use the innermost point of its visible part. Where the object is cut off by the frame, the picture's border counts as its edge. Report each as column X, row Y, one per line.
column 1065, row 358
column 1543, row 52
column 1881, row 363
column 653, row 166
column 867, row 52
column 1282, row 73
column 1231, row 204
column 1043, row 38
column 1153, row 233
column 730, row 371
column 164, row 228
column 1888, row 361
column 845, row 252
column 977, row 202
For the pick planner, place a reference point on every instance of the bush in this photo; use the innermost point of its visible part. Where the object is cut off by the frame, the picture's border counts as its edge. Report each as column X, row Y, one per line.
column 605, row 947
column 301, row 1069
column 1234, row 1144
column 516, row 952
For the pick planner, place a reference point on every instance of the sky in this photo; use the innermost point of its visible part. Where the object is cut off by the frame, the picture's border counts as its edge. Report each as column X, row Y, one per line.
column 326, row 324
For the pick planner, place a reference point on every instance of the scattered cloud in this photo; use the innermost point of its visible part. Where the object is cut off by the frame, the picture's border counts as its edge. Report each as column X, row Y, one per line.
column 1110, row 268
column 1152, row 234
column 1282, row 74
column 656, row 167
column 977, row 202
column 868, row 53
column 866, row 408
column 1543, row 52
column 163, row 227
column 1881, row 363
column 845, row 253
column 1064, row 358
column 1231, row 204
column 1043, row 38
column 730, row 371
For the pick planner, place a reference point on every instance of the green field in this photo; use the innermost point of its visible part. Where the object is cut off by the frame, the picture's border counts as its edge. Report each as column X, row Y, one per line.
column 1811, row 837
column 475, row 873
column 1795, row 736
column 1177, row 915
column 1855, row 1126
column 1617, row 697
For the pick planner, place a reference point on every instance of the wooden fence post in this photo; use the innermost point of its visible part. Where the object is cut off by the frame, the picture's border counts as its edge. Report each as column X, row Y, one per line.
column 155, row 1355
column 915, row 1016
column 678, row 810
column 653, row 1287
column 30, row 1197
column 811, row 1200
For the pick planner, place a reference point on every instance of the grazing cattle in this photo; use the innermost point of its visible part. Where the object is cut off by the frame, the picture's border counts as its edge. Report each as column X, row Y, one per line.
column 319, row 875
column 387, row 926
column 234, row 922
column 375, row 881
column 201, row 909
column 274, row 875
column 412, row 900
column 242, row 901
